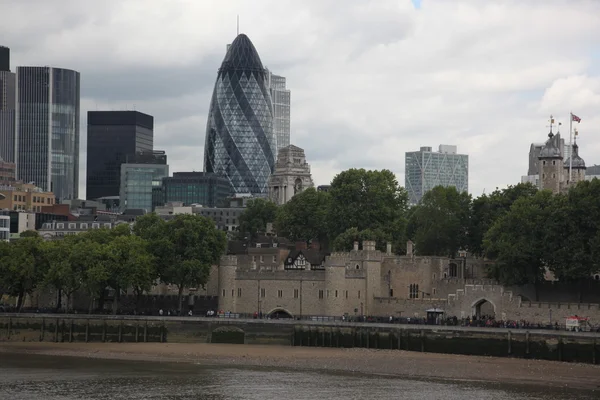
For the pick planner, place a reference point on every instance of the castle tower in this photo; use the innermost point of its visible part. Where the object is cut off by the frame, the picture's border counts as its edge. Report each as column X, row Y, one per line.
column 227, row 286
column 551, row 162
column 577, row 165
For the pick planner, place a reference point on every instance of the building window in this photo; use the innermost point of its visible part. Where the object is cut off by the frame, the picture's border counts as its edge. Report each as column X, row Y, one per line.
column 95, row 226
column 232, row 293
column 413, row 291
column 262, row 259
column 391, row 292
column 453, row 270
column 263, row 292
column 327, row 293
column 71, row 226
column 553, row 175
column 543, row 162
column 543, row 176
column 84, row 226
column 280, row 293
column 321, row 294
column 274, row 259
column 553, row 162
column 60, row 226
column 359, row 294
column 336, row 293
column 296, row 293
column 434, row 290
column 346, row 294
column 253, row 258
column 239, row 292
column 223, row 292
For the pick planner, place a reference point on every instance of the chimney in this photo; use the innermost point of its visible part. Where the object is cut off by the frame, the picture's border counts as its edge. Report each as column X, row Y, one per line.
column 314, row 244
column 355, row 246
column 409, row 248
column 388, row 249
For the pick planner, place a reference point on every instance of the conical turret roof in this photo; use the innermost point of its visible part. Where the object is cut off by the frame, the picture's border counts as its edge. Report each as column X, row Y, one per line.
column 577, row 162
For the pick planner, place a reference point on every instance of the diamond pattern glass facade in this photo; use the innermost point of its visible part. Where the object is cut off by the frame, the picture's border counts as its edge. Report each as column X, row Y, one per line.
column 426, row 169
column 240, row 143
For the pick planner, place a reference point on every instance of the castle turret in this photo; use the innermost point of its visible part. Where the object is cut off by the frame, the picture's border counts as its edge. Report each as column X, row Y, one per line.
column 551, row 162
column 576, row 164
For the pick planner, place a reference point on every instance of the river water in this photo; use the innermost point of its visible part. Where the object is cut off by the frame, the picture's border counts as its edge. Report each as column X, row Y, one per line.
column 42, row 377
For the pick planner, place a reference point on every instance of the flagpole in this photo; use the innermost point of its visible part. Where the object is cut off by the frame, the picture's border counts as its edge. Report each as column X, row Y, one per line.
column 570, row 145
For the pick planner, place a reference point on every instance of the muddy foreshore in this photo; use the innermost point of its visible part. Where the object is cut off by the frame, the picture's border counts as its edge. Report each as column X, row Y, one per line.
column 381, row 362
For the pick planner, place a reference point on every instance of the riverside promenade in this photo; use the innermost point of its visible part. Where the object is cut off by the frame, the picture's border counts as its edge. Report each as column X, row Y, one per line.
column 547, row 344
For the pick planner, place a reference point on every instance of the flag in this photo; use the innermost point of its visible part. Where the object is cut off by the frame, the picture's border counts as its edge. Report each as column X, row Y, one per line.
column 575, row 118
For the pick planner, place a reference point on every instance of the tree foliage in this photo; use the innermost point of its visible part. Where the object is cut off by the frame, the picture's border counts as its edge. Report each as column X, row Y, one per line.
column 256, row 216
column 517, row 241
column 184, row 249
column 368, row 201
column 304, row 217
column 439, row 224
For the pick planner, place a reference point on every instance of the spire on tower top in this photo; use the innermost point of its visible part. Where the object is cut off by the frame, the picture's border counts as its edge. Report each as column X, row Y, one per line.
column 551, row 125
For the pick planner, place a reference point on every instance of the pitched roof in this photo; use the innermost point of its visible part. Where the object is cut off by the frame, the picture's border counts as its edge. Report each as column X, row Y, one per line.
column 313, row 256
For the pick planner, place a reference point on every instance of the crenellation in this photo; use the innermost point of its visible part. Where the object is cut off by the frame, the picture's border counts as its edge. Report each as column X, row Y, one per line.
column 369, row 282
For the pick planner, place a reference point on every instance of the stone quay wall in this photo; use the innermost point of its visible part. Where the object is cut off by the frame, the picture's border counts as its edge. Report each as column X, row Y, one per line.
column 536, row 344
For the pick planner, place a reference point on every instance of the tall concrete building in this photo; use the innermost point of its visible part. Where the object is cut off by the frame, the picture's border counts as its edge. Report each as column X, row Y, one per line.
column 291, row 175
column 240, row 143
column 47, row 129
column 281, row 98
column 113, row 136
column 426, row 169
column 7, row 107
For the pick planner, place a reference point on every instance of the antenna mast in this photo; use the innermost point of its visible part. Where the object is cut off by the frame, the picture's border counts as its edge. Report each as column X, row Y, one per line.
column 238, row 24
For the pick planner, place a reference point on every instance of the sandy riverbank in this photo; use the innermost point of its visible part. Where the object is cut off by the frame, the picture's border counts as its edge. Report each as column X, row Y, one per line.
column 388, row 362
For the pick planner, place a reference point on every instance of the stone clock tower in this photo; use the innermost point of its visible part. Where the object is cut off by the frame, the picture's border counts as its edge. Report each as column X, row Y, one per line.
column 291, row 175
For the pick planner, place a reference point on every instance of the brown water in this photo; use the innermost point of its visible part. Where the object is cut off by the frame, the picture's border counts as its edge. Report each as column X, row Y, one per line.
column 43, row 377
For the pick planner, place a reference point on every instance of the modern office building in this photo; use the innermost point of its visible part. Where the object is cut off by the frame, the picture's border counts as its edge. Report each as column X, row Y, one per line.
column 281, row 98
column 47, row 129
column 138, row 182
column 206, row 189
column 426, row 169
column 113, row 136
column 7, row 107
column 240, row 144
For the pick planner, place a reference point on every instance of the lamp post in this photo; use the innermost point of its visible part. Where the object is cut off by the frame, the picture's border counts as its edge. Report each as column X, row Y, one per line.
column 463, row 255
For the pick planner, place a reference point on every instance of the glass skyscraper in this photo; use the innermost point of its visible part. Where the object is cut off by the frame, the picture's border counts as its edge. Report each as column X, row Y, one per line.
column 426, row 169
column 7, row 107
column 138, row 182
column 207, row 189
column 113, row 138
column 47, row 129
column 240, row 143
column 281, row 98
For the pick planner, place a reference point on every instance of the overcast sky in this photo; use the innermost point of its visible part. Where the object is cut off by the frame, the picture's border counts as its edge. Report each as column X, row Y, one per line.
column 370, row 80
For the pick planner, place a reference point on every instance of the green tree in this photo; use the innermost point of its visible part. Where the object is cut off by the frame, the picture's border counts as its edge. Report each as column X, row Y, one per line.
column 131, row 265
column 185, row 248
column 439, row 223
column 517, row 241
column 255, row 217
column 345, row 241
column 573, row 233
column 62, row 274
column 486, row 209
column 91, row 260
column 365, row 200
column 25, row 266
column 304, row 217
